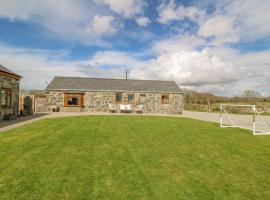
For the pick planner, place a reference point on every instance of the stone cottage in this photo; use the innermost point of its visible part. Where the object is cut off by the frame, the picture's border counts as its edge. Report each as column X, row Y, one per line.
column 95, row 94
column 9, row 95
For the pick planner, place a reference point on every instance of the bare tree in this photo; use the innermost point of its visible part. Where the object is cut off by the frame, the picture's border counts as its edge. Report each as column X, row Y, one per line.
column 251, row 95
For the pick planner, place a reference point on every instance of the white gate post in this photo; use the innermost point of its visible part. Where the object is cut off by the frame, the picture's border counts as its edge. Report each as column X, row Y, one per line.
column 220, row 119
column 254, row 119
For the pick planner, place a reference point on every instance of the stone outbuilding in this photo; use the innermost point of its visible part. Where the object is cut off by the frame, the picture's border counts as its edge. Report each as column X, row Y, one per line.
column 95, row 94
column 38, row 99
column 9, row 95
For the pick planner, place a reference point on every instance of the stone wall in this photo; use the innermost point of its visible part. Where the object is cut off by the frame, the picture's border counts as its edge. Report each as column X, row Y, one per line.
column 40, row 104
column 99, row 101
column 39, row 99
column 153, row 104
column 13, row 84
column 55, row 99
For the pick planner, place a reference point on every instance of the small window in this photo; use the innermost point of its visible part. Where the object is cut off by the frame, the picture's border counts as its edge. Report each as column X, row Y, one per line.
column 142, row 98
column 130, row 98
column 118, row 98
column 6, row 97
column 73, row 99
column 164, row 98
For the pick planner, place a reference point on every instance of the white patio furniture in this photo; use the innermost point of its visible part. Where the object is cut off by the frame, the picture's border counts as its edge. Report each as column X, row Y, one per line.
column 112, row 108
column 125, row 108
column 122, row 108
column 139, row 108
column 128, row 108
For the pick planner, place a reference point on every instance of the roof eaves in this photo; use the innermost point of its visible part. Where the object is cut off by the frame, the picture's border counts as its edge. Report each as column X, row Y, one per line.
column 140, row 91
column 11, row 74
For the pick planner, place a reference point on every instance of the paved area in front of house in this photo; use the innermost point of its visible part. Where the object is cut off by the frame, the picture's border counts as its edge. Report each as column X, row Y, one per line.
column 21, row 121
column 242, row 120
column 5, row 123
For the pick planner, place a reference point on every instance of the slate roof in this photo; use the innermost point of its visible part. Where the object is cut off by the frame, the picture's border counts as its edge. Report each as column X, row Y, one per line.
column 103, row 84
column 4, row 69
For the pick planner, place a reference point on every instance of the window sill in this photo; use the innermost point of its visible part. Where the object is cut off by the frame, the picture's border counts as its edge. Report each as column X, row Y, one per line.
column 74, row 106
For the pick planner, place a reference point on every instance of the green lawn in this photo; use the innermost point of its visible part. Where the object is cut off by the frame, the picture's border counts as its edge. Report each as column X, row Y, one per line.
column 132, row 157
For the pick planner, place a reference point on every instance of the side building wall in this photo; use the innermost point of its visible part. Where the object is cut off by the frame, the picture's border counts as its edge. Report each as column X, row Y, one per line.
column 99, row 101
column 13, row 85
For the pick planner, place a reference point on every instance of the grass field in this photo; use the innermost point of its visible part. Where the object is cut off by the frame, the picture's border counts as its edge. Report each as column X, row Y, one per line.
column 132, row 157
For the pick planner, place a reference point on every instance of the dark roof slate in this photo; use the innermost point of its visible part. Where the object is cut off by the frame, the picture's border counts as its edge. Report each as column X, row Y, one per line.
column 103, row 84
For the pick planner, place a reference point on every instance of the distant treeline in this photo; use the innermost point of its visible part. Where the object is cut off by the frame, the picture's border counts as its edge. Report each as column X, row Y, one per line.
column 249, row 96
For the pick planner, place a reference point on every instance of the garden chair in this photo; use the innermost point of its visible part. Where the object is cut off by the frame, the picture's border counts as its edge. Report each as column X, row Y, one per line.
column 139, row 108
column 122, row 108
column 112, row 108
column 128, row 108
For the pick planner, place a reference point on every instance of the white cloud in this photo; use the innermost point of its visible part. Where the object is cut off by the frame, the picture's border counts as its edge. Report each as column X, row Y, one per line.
column 215, row 70
column 114, row 59
column 11, row 10
column 127, row 8
column 37, row 67
column 251, row 17
column 180, row 58
column 170, row 11
column 177, row 43
column 142, row 21
column 211, row 69
column 101, row 25
column 189, row 68
column 221, row 28
column 46, row 12
column 64, row 20
column 223, row 72
column 231, row 22
column 257, row 68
